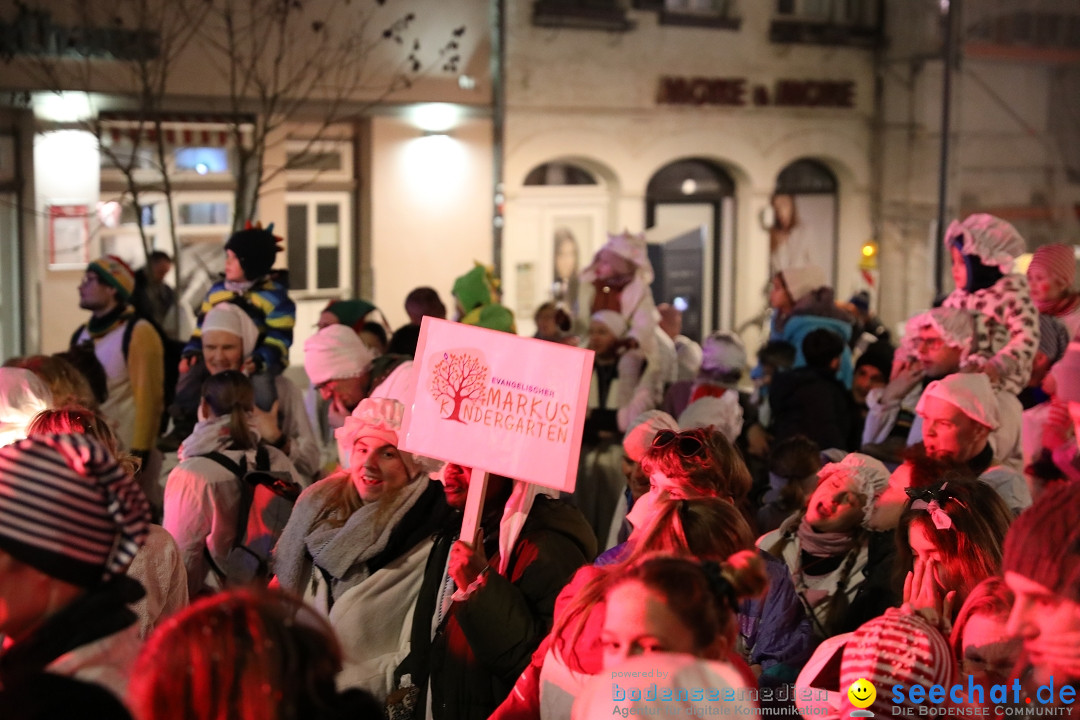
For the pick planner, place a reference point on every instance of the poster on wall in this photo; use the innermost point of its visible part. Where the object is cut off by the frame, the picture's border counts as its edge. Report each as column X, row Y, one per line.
column 570, row 251
column 69, row 237
column 803, row 232
column 510, row 405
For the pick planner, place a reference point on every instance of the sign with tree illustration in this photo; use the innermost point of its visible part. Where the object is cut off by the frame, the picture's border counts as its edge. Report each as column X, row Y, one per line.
column 510, row 405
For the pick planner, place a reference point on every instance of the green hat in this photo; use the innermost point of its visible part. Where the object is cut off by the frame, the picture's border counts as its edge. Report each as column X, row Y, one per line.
column 472, row 289
column 350, row 312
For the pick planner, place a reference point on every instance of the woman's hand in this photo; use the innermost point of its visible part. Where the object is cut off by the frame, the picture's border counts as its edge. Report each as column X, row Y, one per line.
column 925, row 596
column 467, row 562
column 266, row 423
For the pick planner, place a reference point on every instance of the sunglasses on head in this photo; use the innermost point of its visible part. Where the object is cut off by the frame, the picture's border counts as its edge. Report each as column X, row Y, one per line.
column 687, row 445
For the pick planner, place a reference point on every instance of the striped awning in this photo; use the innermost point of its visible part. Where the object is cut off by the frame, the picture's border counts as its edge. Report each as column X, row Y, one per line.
column 177, row 130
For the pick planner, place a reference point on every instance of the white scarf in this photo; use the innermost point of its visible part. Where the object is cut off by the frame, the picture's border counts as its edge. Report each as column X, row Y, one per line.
column 210, row 435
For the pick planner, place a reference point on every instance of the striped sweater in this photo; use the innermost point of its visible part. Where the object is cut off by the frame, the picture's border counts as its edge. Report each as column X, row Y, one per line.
column 267, row 303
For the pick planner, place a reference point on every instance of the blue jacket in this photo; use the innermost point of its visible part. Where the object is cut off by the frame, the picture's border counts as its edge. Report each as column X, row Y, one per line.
column 267, row 303
column 798, row 327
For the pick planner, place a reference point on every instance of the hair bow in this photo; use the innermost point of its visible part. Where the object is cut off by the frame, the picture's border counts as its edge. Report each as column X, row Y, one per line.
column 930, row 499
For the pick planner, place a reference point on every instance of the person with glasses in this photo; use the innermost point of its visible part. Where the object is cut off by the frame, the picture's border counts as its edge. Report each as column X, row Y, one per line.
column 344, row 371
column 937, row 344
column 702, row 463
column 130, row 351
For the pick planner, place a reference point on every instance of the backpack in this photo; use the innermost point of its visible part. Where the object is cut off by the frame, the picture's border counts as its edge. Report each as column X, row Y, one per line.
column 170, row 356
column 266, row 501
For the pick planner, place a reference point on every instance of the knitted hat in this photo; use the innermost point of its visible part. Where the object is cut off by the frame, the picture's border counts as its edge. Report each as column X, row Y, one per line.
column 860, row 301
column 473, row 289
column 1043, row 543
column 381, row 418
column 626, row 245
column 350, row 312
column 229, row 317
column 336, row 353
column 1067, row 373
column 612, row 320
column 891, row 649
column 1053, row 337
column 115, row 273
column 69, row 510
column 723, row 352
column 880, row 356
column 995, row 242
column 801, row 281
column 1057, row 261
column 255, row 249
column 870, row 475
column 970, row 392
column 723, row 413
column 642, row 432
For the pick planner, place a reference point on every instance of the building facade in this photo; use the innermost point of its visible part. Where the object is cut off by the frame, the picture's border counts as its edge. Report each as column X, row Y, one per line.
column 742, row 136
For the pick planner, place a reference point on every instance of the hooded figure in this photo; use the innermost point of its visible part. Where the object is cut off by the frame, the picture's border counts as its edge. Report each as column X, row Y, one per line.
column 983, row 250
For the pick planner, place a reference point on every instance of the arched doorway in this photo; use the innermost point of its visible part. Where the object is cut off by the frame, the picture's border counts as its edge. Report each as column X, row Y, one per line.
column 690, row 215
column 554, row 225
column 802, row 225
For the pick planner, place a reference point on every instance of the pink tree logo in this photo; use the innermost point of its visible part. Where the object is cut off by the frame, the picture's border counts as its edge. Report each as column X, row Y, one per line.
column 457, row 377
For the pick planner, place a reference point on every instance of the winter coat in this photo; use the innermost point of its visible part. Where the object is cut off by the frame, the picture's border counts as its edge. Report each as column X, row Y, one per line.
column 488, row 639
column 365, row 583
column 784, row 541
column 814, row 403
column 1012, row 323
column 202, row 506
column 78, row 662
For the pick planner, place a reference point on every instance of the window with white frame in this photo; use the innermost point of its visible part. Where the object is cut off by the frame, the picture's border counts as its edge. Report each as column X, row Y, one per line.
column 319, row 243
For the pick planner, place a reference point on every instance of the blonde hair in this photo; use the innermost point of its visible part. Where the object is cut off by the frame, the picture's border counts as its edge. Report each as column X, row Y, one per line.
column 67, row 385
column 83, row 421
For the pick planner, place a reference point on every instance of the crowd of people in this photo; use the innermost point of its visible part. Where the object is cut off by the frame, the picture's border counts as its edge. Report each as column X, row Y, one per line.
column 187, row 533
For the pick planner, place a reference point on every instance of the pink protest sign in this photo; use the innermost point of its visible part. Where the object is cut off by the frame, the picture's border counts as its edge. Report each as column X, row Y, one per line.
column 485, row 399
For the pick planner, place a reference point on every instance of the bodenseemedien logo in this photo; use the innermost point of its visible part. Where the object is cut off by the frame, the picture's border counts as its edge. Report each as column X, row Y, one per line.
column 862, row 694
column 974, row 699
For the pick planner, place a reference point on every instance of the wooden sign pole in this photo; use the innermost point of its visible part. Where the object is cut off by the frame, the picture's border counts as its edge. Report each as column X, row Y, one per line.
column 474, row 506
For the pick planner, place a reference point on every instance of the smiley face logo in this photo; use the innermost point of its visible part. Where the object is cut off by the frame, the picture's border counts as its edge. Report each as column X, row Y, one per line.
column 862, row 693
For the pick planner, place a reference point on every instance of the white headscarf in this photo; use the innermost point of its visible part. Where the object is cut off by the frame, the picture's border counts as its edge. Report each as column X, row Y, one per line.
column 228, row 317
column 970, row 392
column 336, row 353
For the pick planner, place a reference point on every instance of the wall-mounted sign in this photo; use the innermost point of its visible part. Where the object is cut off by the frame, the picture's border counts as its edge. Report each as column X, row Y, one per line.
column 69, row 236
column 737, row 92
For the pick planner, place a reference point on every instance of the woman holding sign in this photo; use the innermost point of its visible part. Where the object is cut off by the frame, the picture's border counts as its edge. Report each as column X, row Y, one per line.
column 357, row 543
